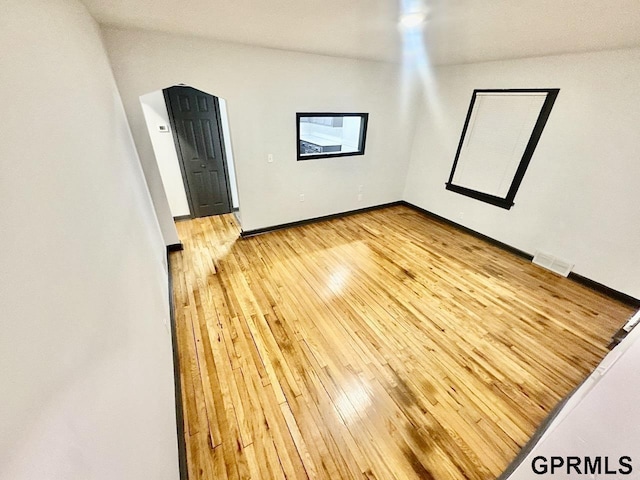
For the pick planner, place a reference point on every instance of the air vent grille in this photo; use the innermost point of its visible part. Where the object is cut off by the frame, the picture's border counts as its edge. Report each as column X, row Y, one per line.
column 552, row 263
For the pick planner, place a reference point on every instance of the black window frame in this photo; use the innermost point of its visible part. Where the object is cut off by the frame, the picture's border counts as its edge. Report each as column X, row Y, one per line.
column 508, row 201
column 362, row 140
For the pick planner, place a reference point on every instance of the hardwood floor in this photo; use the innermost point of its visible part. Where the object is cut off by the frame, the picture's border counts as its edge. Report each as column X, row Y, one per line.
column 382, row 345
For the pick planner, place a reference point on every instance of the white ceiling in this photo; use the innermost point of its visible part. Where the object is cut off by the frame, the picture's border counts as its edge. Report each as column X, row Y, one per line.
column 457, row 31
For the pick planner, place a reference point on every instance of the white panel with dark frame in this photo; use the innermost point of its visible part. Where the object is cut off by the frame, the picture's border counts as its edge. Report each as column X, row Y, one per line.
column 500, row 134
column 326, row 135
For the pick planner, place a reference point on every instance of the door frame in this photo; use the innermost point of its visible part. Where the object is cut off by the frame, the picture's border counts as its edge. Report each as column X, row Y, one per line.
column 176, row 144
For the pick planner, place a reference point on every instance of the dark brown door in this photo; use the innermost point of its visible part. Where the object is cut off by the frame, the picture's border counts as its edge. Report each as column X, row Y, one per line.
column 198, row 136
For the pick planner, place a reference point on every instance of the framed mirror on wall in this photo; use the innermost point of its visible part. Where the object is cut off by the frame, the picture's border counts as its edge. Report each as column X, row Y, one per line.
column 323, row 135
column 500, row 134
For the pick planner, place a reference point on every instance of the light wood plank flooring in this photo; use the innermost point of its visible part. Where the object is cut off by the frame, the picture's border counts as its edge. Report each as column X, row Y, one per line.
column 382, row 345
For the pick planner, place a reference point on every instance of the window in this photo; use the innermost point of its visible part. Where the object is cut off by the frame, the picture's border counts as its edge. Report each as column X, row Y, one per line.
column 322, row 135
column 498, row 139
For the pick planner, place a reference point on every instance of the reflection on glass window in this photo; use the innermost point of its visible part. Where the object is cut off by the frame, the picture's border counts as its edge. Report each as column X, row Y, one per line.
column 331, row 134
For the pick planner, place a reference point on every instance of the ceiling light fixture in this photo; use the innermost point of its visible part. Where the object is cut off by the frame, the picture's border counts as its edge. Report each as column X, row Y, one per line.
column 412, row 19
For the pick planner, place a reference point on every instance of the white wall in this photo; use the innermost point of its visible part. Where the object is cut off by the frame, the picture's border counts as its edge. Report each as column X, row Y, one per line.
column 152, row 175
column 579, row 198
column 351, row 131
column 228, row 150
column 155, row 112
column 264, row 89
column 600, row 419
column 86, row 364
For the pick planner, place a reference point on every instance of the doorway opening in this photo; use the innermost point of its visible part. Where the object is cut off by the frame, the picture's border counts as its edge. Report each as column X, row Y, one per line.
column 189, row 132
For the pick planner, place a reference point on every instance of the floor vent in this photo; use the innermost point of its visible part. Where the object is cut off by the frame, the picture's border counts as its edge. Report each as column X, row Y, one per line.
column 552, row 263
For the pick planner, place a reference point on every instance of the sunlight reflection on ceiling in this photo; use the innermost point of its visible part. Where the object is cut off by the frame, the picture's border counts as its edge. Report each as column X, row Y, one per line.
column 413, row 22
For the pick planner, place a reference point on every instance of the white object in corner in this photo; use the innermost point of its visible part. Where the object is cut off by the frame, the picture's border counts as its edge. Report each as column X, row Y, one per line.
column 633, row 321
column 552, row 263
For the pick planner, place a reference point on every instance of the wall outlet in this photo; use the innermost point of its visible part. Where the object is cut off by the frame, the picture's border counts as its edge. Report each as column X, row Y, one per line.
column 360, row 187
column 302, row 197
column 270, row 158
column 359, row 197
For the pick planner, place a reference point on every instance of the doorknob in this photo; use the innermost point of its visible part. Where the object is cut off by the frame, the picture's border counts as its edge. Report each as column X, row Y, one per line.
column 203, row 166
